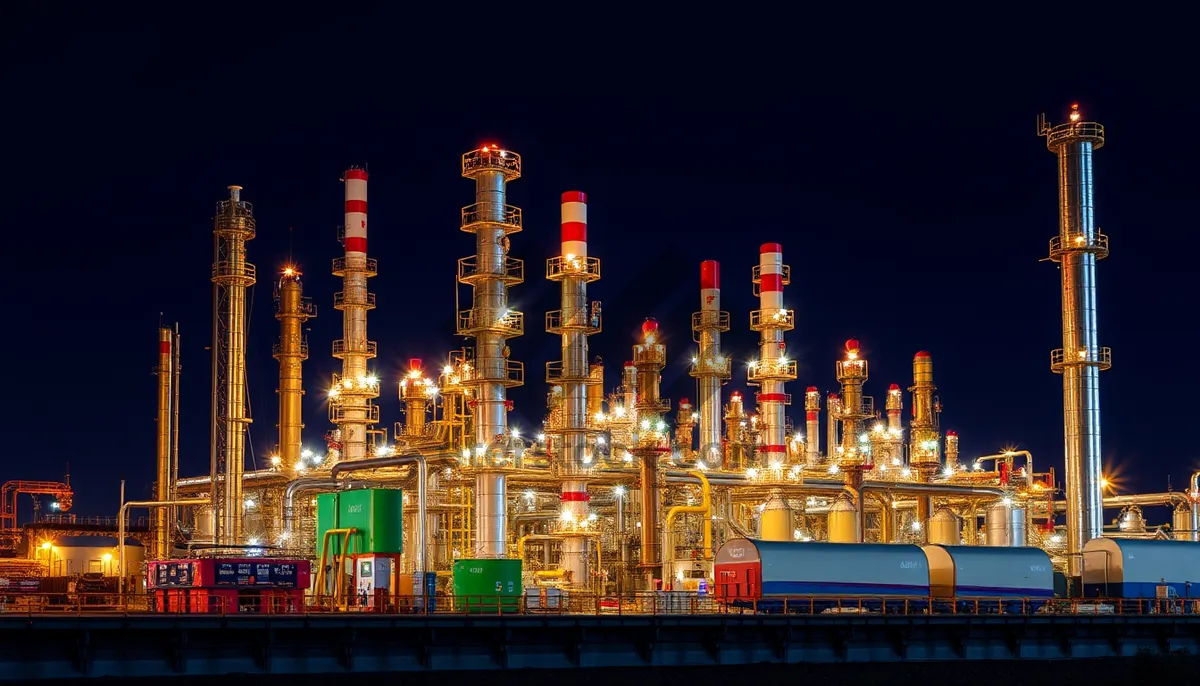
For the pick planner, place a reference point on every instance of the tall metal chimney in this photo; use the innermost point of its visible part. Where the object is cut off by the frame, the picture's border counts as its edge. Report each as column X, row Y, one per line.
column 772, row 369
column 573, row 323
column 1081, row 359
column 490, row 272
column 292, row 309
column 165, row 372
column 711, row 368
column 231, row 276
column 352, row 395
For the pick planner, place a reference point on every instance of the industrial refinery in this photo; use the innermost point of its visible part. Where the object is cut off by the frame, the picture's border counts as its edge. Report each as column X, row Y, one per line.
column 738, row 494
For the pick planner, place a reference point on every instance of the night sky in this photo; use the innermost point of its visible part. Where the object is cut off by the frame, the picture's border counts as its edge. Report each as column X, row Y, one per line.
column 913, row 206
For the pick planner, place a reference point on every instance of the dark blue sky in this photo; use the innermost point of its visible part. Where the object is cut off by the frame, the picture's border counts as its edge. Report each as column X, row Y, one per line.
column 913, row 205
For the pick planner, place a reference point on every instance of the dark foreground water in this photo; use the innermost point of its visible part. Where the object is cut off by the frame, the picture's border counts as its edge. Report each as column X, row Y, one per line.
column 1136, row 671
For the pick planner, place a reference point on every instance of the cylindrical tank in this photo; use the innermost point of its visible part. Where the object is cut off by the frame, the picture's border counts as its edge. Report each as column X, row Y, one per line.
column 775, row 522
column 1132, row 521
column 1181, row 523
column 204, row 525
column 945, row 528
column 843, row 521
column 1005, row 525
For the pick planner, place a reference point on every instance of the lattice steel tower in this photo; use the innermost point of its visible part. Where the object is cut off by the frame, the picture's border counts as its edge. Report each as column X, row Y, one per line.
column 1081, row 359
column 231, row 276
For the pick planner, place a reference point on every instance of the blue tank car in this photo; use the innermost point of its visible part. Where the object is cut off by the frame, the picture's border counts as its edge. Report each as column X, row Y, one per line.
column 989, row 579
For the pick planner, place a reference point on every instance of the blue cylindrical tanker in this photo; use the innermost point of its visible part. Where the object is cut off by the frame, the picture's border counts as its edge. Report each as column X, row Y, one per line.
column 1134, row 568
column 764, row 572
column 987, row 579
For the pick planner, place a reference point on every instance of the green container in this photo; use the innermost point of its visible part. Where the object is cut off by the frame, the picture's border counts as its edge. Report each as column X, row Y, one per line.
column 375, row 514
column 487, row 586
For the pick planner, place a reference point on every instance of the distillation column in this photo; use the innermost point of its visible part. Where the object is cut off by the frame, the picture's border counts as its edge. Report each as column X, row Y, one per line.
column 417, row 393
column 649, row 357
column 352, row 396
column 853, row 455
column 231, row 276
column 812, row 426
column 292, row 309
column 923, row 452
column 772, row 370
column 490, row 272
column 1077, row 247
column 711, row 368
column 573, row 323
column 162, row 483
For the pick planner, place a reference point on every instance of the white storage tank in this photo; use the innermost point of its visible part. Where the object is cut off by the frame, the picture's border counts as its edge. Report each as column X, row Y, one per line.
column 945, row 528
column 1005, row 525
column 961, row 571
column 1135, row 568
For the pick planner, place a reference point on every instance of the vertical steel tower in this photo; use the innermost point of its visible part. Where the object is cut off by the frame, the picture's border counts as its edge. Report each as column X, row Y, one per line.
column 292, row 310
column 573, row 323
column 923, row 449
column 710, row 368
column 772, row 369
column 853, row 456
column 162, row 483
column 649, row 357
column 231, row 276
column 352, row 396
column 1081, row 359
column 490, row 272
column 812, row 426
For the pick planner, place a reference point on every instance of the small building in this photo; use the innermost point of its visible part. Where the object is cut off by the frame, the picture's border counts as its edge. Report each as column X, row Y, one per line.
column 77, row 555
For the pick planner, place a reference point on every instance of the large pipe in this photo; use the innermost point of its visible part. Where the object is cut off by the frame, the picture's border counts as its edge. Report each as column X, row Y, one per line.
column 422, row 464
column 704, row 508
column 258, row 475
column 1081, row 359
column 162, row 484
column 573, row 269
column 292, row 310
column 124, row 512
column 1195, row 505
column 352, row 396
column 772, row 369
column 711, row 368
column 491, row 323
column 1007, row 457
column 176, row 372
column 231, row 276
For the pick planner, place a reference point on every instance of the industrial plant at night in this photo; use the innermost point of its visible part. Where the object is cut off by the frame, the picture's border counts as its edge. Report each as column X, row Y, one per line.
column 758, row 493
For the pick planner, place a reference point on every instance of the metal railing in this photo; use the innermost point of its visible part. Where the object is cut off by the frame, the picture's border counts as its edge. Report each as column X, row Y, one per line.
column 772, row 370
column 187, row 601
column 586, row 267
column 370, row 267
column 340, row 300
column 511, row 323
column 507, row 217
column 582, row 321
column 229, row 271
column 715, row 367
column 340, row 349
column 510, row 373
column 772, row 319
column 710, row 319
column 756, row 277
column 339, row 413
column 513, row 271
column 277, row 349
column 1078, row 242
column 80, row 520
column 1085, row 130
column 1102, row 359
column 491, row 159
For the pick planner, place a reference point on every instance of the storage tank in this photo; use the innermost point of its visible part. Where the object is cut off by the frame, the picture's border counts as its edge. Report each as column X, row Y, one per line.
column 775, row 522
column 843, row 521
column 945, row 528
column 1135, row 568
column 961, row 571
column 1181, row 523
column 1132, row 521
column 745, row 569
column 1005, row 525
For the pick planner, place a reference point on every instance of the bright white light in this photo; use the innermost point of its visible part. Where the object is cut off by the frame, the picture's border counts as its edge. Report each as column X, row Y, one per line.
column 619, row 491
column 249, row 504
column 661, row 426
column 306, row 453
column 600, row 440
column 381, row 451
column 516, row 433
column 541, row 437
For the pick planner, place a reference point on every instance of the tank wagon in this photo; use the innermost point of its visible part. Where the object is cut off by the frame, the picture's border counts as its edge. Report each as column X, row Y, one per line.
column 1142, row 571
column 881, row 577
column 964, row 578
column 823, row 576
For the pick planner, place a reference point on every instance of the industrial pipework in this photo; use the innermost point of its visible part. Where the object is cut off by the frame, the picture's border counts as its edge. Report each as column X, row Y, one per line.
column 292, row 309
column 165, row 372
column 573, row 323
column 772, row 369
column 1077, row 247
column 710, row 367
column 231, row 276
column 352, row 395
column 651, row 441
column 490, row 272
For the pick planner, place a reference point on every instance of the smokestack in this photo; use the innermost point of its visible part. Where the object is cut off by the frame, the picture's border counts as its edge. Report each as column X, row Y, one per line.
column 773, row 368
column 833, row 410
column 416, row 393
column 649, row 357
column 952, row 447
column 292, row 310
column 231, row 276
column 710, row 368
column 923, row 447
column 573, row 323
column 490, row 272
column 1077, row 247
column 352, row 397
column 812, row 426
column 162, row 485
